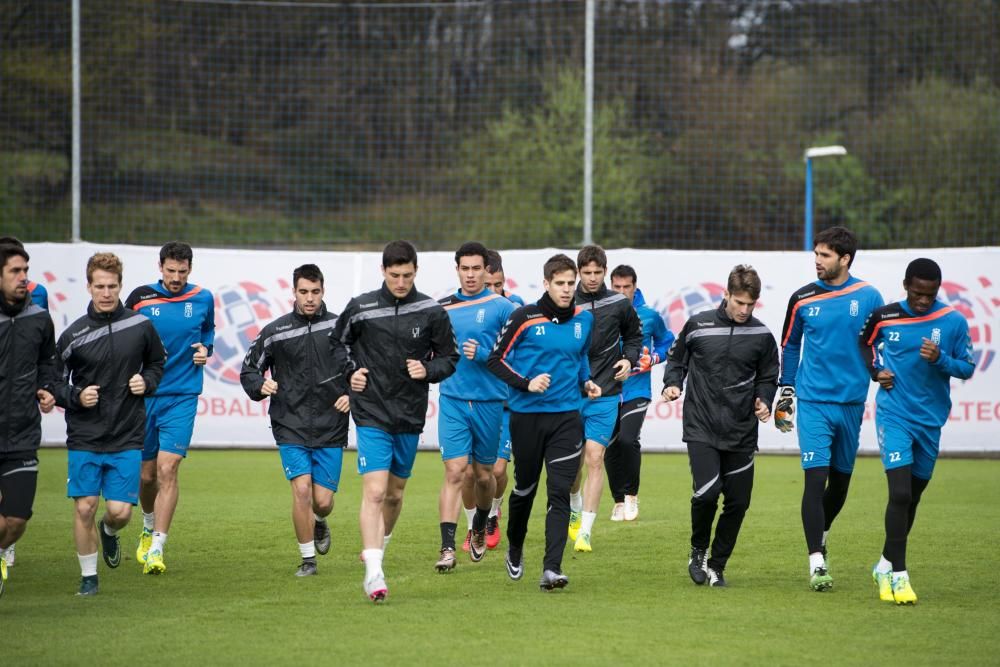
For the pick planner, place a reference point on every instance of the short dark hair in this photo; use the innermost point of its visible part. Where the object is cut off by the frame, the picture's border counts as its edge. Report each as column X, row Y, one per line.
column 625, row 271
column 177, row 251
column 592, row 253
column 399, row 252
column 8, row 250
column 471, row 249
column 494, row 262
column 310, row 272
column 557, row 264
column 744, row 278
column 11, row 240
column 924, row 269
column 841, row 240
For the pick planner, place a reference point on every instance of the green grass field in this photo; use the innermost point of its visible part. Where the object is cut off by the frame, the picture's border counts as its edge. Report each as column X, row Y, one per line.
column 229, row 596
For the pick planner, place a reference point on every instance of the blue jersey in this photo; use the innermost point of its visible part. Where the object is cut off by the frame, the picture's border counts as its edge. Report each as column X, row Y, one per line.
column 531, row 344
column 479, row 318
column 181, row 321
column 827, row 367
column 39, row 295
column 921, row 391
column 514, row 298
column 656, row 340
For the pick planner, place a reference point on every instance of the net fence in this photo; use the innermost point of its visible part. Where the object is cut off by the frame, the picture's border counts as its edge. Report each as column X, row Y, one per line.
column 346, row 125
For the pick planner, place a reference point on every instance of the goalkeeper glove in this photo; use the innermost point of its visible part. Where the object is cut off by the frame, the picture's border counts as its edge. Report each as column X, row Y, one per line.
column 784, row 410
column 646, row 361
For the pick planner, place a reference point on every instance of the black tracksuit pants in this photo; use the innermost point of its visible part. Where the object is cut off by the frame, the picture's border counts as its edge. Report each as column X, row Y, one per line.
column 622, row 459
column 718, row 472
column 555, row 439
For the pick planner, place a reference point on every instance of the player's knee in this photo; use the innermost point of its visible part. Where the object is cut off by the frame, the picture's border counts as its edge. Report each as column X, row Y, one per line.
column 323, row 506
column 119, row 514
column 393, row 499
column 736, row 504
column 900, row 496
column 166, row 471
column 14, row 527
column 86, row 508
column 708, row 497
column 148, row 475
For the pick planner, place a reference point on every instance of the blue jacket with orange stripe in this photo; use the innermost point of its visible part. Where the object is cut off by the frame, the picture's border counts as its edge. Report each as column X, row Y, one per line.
column 531, row 344
column 181, row 320
column 921, row 390
column 39, row 295
column 479, row 318
column 827, row 367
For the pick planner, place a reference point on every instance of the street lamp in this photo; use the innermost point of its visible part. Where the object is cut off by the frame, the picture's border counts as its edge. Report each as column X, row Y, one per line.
column 818, row 152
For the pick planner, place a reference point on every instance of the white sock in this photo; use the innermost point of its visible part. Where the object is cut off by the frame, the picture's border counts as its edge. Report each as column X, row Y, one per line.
column 815, row 560
column 108, row 530
column 147, row 521
column 825, row 533
column 884, row 566
column 373, row 562
column 88, row 564
column 495, row 509
column 576, row 502
column 318, row 517
column 469, row 514
column 159, row 540
column 307, row 549
column 588, row 522
column 385, row 543
column 900, row 575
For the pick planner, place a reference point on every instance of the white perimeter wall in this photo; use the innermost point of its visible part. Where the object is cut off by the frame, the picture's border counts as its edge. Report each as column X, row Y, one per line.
column 253, row 287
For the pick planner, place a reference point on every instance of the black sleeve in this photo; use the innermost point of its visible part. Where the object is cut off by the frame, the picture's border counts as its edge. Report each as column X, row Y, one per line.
column 67, row 396
column 631, row 333
column 255, row 363
column 133, row 298
column 340, row 363
column 443, row 346
column 344, row 334
column 506, row 342
column 153, row 358
column 47, row 378
column 675, row 370
column 868, row 340
column 768, row 367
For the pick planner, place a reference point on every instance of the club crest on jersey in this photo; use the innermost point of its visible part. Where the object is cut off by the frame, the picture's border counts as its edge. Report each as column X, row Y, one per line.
column 855, row 307
column 415, row 331
column 936, row 336
column 578, row 331
column 188, row 309
column 480, row 316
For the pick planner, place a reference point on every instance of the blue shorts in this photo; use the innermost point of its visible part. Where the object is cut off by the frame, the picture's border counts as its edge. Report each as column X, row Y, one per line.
column 169, row 425
column 503, row 452
column 599, row 418
column 378, row 450
column 323, row 463
column 904, row 443
column 113, row 474
column 829, row 434
column 469, row 429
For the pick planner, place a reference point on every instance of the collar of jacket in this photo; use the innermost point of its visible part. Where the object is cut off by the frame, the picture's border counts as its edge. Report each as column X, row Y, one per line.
column 393, row 299
column 724, row 316
column 113, row 316
column 602, row 292
column 14, row 309
column 638, row 299
column 316, row 316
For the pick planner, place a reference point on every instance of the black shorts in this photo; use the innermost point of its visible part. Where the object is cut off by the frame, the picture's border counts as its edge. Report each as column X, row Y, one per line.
column 18, row 481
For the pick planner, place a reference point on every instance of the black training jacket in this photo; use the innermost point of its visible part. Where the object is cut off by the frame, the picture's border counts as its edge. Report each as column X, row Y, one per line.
column 381, row 332
column 27, row 364
column 106, row 349
column 617, row 335
column 310, row 366
column 727, row 366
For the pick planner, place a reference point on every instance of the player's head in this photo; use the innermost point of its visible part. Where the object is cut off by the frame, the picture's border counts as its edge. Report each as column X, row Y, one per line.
column 495, row 278
column 560, row 279
column 922, row 282
column 104, row 281
column 592, row 263
column 834, row 251
column 742, row 292
column 175, row 265
column 399, row 267
column 11, row 240
column 308, row 287
column 624, row 280
column 14, row 276
column 470, row 265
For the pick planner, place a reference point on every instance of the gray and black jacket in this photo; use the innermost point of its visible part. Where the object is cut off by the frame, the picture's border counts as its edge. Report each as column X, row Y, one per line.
column 617, row 335
column 727, row 366
column 310, row 366
column 106, row 349
column 381, row 332
column 27, row 364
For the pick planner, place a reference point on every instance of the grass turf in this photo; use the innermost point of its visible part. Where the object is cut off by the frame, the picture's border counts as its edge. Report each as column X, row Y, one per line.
column 229, row 597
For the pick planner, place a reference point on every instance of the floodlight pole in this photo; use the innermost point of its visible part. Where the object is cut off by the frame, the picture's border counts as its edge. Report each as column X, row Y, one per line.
column 588, row 128
column 818, row 152
column 75, row 150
